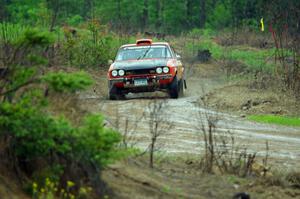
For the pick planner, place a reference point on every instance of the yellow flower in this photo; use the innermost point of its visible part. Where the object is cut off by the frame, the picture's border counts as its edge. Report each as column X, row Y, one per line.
column 262, row 24
column 89, row 189
column 70, row 184
column 34, row 187
column 47, row 181
column 82, row 190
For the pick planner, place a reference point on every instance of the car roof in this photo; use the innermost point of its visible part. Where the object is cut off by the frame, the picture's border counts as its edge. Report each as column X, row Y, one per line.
column 154, row 43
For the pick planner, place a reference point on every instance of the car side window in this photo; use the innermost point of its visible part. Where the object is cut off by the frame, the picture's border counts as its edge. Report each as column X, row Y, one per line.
column 173, row 52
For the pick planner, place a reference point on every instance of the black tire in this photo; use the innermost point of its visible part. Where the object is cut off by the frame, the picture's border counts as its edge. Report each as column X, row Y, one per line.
column 114, row 93
column 174, row 88
column 181, row 88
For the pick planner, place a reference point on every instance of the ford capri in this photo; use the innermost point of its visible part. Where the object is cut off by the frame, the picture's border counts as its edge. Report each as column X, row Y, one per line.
column 146, row 66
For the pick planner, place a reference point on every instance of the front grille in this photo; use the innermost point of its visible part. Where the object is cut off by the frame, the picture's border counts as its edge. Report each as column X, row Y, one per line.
column 140, row 71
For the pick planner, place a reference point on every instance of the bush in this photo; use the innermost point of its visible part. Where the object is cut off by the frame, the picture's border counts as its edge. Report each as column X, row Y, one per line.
column 71, row 82
column 34, row 138
column 220, row 18
column 35, row 134
column 95, row 142
column 31, row 136
column 253, row 59
column 11, row 32
column 89, row 46
column 75, row 20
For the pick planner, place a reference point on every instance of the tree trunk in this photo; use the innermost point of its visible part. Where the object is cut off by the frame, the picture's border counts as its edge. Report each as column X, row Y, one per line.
column 88, row 9
column 152, row 148
column 119, row 20
column 158, row 15
column 54, row 15
column 202, row 17
column 189, row 13
column 145, row 16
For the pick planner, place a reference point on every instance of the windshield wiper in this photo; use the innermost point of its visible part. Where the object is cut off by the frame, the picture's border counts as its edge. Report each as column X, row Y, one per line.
column 145, row 53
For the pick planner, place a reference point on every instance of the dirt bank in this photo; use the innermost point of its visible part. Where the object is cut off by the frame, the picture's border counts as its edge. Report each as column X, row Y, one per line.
column 179, row 178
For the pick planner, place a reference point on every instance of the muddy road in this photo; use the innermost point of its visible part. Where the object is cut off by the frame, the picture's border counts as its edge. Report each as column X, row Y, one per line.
column 186, row 116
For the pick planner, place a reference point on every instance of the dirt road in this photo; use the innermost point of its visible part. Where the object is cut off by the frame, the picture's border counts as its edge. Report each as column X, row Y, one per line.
column 186, row 117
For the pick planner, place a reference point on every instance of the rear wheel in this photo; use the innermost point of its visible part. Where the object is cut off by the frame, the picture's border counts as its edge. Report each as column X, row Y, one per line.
column 174, row 88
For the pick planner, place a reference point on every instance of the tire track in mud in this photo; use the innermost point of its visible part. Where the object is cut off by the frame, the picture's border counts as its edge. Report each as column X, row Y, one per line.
column 187, row 116
column 186, row 137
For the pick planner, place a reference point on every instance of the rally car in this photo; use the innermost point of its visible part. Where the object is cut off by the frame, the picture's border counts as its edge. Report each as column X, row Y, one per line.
column 146, row 66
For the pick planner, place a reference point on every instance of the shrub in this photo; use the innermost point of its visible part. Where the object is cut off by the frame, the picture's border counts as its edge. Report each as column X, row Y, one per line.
column 253, row 59
column 220, row 18
column 36, row 134
column 30, row 134
column 89, row 46
column 75, row 20
column 62, row 82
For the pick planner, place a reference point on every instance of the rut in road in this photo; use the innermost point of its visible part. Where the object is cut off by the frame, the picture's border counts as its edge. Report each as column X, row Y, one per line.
column 186, row 115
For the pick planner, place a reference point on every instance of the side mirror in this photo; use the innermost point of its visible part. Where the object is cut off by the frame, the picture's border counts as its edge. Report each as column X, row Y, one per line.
column 178, row 56
column 110, row 62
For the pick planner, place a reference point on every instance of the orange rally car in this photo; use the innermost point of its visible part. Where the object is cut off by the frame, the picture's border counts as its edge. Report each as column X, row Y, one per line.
column 146, row 66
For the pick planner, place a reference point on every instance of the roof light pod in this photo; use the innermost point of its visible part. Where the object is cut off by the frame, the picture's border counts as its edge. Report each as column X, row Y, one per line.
column 144, row 42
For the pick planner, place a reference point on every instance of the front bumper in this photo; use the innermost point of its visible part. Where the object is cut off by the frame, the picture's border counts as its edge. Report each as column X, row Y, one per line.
column 155, row 82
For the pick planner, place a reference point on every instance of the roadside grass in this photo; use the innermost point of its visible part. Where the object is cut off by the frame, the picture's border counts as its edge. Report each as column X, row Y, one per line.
column 254, row 58
column 274, row 119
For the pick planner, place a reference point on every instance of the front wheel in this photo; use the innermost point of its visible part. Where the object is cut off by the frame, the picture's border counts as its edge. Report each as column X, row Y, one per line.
column 174, row 88
column 113, row 92
column 181, row 87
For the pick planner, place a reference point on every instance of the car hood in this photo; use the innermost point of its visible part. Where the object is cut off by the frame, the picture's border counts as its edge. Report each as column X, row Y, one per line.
column 139, row 64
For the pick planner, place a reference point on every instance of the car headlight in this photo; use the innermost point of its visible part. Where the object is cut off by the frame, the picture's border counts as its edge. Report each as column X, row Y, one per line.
column 166, row 69
column 114, row 73
column 121, row 72
column 159, row 70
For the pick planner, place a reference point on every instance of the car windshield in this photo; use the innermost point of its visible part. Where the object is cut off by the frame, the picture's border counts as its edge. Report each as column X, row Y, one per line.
column 143, row 52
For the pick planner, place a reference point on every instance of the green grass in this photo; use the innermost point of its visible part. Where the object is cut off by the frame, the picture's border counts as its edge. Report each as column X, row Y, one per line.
column 254, row 59
column 273, row 119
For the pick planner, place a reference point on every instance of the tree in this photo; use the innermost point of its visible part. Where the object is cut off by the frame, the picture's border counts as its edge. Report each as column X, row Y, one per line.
column 145, row 15
column 158, row 127
column 3, row 9
column 28, row 131
column 88, row 9
column 202, row 12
